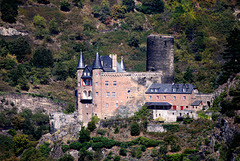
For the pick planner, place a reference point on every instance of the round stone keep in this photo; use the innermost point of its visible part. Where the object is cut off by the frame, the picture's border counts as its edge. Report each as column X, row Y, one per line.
column 160, row 56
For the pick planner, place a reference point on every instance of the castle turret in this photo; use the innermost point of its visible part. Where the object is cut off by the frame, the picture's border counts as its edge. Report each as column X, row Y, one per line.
column 122, row 64
column 97, row 63
column 160, row 55
column 81, row 64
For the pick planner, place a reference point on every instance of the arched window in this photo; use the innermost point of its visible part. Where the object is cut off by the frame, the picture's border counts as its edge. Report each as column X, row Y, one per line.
column 89, row 95
column 84, row 95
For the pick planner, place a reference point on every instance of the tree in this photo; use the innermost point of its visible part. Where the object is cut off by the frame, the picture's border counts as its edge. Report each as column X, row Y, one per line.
column 43, row 58
column 135, row 129
column 53, row 26
column 21, row 48
column 130, row 4
column 64, row 6
column 67, row 157
column 118, row 11
column 39, row 21
column 152, row 6
column 232, row 53
column 32, row 154
column 9, row 10
column 20, row 143
column 84, row 135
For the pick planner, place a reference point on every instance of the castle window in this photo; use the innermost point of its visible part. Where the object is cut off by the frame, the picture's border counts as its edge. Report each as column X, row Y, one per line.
column 184, row 97
column 174, row 97
column 116, row 104
column 164, row 97
column 86, row 105
column 158, row 97
column 96, row 93
column 85, row 74
column 174, row 89
column 172, row 113
column 88, row 74
column 96, row 83
column 114, row 83
column 184, row 89
column 87, row 82
column 87, row 113
column 79, row 84
column 106, row 83
column 150, row 97
column 156, row 90
column 108, row 94
column 186, row 106
column 151, row 90
column 107, row 105
column 113, row 94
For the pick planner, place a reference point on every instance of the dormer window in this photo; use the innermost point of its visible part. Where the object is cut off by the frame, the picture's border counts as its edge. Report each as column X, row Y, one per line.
column 174, row 89
column 156, row 90
column 85, row 73
column 184, row 89
column 152, row 90
column 88, row 74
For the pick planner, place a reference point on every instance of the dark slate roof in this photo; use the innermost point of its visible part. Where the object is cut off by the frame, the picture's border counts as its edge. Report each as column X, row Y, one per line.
column 81, row 64
column 158, row 104
column 97, row 63
column 196, row 103
column 157, row 88
column 106, row 63
column 88, row 71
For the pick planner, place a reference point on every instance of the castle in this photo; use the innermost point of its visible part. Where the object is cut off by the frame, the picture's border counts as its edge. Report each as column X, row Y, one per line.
column 106, row 89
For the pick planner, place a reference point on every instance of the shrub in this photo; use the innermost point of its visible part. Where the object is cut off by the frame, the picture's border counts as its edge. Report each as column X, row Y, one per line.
column 139, row 154
column 171, row 139
column 64, row 6
column 65, row 148
column 101, row 131
column 174, row 157
column 175, row 148
column 91, row 126
column 143, row 148
column 170, row 127
column 97, row 146
column 123, row 152
column 187, row 120
column 154, row 152
column 135, row 129
column 67, row 157
column 75, row 145
column 84, row 135
column 117, row 158
column 44, row 149
column 116, row 131
column 12, row 132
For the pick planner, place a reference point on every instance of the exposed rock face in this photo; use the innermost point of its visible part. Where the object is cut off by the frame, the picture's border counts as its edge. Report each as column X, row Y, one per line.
column 22, row 101
column 155, row 128
column 59, row 120
column 62, row 136
column 11, row 32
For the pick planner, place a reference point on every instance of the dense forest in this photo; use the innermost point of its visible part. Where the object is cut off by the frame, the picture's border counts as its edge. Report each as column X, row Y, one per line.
column 42, row 60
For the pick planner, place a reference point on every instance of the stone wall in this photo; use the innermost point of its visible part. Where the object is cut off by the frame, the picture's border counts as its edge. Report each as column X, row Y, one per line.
column 22, row 101
column 172, row 115
column 59, row 120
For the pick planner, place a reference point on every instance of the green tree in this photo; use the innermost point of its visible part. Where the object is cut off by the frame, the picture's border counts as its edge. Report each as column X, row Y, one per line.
column 53, row 26
column 130, row 4
column 9, row 10
column 21, row 48
column 43, row 58
column 84, row 135
column 135, row 129
column 67, row 157
column 118, row 11
column 64, row 6
column 20, row 143
column 152, row 6
column 188, row 75
column 232, row 53
column 32, row 154
column 39, row 21
column 133, row 40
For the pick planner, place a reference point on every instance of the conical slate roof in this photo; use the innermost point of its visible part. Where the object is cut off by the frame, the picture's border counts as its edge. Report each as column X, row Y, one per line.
column 81, row 64
column 122, row 64
column 97, row 63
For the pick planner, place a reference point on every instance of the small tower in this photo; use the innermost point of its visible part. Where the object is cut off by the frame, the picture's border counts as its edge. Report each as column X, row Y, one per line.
column 122, row 64
column 78, row 93
column 97, row 86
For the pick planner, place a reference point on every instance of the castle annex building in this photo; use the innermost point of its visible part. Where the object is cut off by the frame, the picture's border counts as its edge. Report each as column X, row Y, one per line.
column 106, row 89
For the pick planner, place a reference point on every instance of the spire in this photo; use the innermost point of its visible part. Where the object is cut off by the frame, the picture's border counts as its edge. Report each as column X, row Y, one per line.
column 122, row 64
column 81, row 64
column 97, row 63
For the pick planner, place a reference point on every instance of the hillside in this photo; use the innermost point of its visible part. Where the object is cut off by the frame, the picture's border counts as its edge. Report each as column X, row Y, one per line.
column 51, row 33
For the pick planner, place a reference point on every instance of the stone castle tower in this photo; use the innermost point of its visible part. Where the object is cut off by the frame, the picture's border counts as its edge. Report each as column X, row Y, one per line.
column 160, row 56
